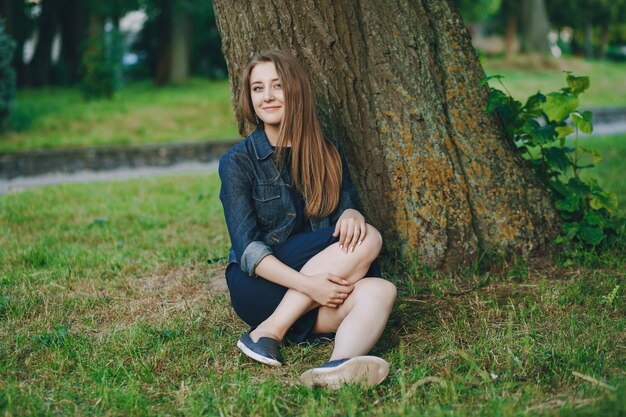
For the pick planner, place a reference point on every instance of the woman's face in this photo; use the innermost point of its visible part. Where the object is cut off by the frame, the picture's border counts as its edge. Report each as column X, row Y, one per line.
column 267, row 94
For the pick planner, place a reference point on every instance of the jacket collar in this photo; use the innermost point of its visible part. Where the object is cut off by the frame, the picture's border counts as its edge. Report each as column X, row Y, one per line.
column 261, row 144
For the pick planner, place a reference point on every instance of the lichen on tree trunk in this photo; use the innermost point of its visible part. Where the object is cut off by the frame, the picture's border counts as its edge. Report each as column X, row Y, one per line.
column 398, row 83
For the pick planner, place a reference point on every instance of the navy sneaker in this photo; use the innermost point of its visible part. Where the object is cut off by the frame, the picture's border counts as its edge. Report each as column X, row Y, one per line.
column 364, row 370
column 265, row 350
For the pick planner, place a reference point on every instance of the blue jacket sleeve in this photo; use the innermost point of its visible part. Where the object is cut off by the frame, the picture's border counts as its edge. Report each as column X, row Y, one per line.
column 239, row 212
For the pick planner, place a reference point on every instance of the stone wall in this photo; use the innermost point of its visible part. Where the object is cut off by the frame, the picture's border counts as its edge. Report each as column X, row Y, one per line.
column 20, row 164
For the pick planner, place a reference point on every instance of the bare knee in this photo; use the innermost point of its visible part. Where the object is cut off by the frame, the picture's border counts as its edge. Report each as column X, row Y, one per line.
column 387, row 290
column 376, row 290
column 372, row 244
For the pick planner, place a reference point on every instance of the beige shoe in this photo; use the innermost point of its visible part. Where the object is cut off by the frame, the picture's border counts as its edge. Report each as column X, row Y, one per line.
column 364, row 370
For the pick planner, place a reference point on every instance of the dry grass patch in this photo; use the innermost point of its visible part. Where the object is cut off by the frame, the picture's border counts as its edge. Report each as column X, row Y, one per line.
column 152, row 299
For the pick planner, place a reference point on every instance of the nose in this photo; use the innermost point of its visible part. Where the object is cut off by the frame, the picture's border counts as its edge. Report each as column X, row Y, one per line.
column 267, row 94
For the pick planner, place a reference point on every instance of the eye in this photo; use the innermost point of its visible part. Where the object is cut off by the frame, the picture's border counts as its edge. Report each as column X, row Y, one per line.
column 278, row 85
column 257, row 88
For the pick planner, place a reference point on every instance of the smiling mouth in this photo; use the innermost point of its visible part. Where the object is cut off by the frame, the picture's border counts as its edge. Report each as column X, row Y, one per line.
column 271, row 108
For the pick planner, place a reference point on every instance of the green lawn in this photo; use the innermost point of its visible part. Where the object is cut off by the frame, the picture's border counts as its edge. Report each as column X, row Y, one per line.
column 608, row 79
column 200, row 109
column 139, row 113
column 609, row 171
column 107, row 307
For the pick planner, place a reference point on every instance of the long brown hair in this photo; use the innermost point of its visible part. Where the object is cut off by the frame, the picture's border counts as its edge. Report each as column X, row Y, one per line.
column 315, row 162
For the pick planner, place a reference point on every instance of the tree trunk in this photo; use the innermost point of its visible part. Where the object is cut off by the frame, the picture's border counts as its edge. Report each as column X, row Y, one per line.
column 509, row 36
column 73, row 37
column 42, row 58
column 6, row 13
column 398, row 83
column 588, row 38
column 174, row 55
column 164, row 39
column 509, row 10
column 181, row 47
column 534, row 27
column 604, row 41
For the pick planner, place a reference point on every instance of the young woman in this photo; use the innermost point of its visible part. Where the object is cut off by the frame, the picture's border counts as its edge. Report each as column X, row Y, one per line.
column 301, row 258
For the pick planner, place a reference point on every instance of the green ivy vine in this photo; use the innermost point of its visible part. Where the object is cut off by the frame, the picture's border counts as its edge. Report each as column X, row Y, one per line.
column 539, row 129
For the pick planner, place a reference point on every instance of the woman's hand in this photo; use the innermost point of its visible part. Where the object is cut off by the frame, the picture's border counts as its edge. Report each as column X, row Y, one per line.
column 351, row 230
column 327, row 289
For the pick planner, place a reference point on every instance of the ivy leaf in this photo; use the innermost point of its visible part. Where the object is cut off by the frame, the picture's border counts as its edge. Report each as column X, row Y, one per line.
column 577, row 84
column 569, row 204
column 560, row 187
column 603, row 199
column 510, row 113
column 530, row 126
column 496, row 99
column 592, row 218
column 578, row 187
column 557, row 158
column 491, row 77
column 545, row 134
column 564, row 131
column 595, row 155
column 583, row 121
column 534, row 103
column 585, row 166
column 570, row 229
column 591, row 234
column 558, row 106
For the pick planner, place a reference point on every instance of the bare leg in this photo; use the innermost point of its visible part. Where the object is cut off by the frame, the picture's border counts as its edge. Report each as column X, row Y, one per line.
column 351, row 266
column 360, row 321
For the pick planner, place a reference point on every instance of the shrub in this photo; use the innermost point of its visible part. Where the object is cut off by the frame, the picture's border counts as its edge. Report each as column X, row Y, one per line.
column 102, row 64
column 539, row 129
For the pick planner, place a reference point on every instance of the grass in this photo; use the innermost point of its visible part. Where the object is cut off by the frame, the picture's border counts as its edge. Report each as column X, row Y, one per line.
column 524, row 76
column 107, row 307
column 139, row 114
column 608, row 171
column 201, row 110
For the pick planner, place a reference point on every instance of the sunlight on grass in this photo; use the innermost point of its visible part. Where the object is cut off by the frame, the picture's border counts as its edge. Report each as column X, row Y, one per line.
column 108, row 307
column 608, row 79
column 139, row 113
column 609, row 171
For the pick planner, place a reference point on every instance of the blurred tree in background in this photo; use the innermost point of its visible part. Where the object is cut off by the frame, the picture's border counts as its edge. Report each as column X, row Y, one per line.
column 478, row 11
column 179, row 39
column 70, row 42
column 7, row 75
column 81, row 42
column 582, row 27
column 596, row 23
column 102, row 59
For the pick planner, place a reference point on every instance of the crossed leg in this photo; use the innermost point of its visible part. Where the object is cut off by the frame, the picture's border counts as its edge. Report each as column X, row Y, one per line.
column 360, row 320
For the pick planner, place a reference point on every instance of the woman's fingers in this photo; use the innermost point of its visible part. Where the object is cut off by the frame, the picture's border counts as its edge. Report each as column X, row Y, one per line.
column 337, row 228
column 346, row 235
column 351, row 233
column 363, row 232
column 337, row 280
column 356, row 235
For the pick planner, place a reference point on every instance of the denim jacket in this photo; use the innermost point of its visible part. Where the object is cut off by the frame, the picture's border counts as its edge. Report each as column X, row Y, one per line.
column 257, row 203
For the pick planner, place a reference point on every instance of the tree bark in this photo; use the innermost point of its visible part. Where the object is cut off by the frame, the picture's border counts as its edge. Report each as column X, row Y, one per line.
column 398, row 83
column 588, row 38
column 42, row 58
column 6, row 13
column 175, row 40
column 181, row 47
column 74, row 25
column 604, row 41
column 534, row 27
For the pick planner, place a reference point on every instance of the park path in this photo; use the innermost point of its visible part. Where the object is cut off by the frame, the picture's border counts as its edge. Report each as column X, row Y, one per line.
column 614, row 125
column 21, row 183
